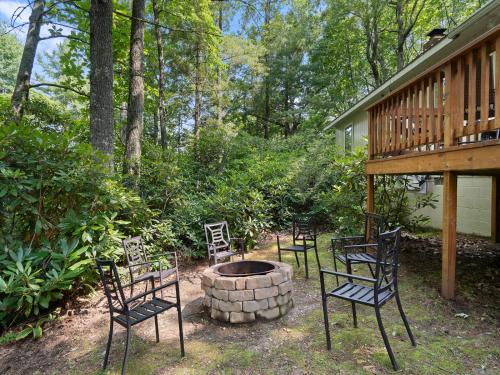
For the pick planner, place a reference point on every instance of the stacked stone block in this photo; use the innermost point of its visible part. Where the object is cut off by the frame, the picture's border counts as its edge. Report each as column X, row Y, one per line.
column 247, row 298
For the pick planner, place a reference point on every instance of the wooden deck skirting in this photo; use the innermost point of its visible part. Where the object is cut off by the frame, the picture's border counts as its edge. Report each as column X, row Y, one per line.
column 440, row 123
column 475, row 159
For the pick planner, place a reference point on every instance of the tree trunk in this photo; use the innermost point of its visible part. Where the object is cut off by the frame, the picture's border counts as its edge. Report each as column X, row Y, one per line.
column 219, row 75
column 407, row 14
column 401, row 37
column 135, row 110
column 197, row 91
column 101, row 79
column 161, row 75
column 267, row 107
column 21, row 89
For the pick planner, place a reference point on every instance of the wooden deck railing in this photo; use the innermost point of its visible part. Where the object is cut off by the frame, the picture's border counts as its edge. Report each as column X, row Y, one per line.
column 454, row 104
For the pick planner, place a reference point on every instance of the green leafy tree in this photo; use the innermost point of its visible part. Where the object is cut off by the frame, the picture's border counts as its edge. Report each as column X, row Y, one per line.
column 10, row 56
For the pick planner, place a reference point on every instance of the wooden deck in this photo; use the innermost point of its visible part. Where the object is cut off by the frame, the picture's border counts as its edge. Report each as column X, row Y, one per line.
column 447, row 122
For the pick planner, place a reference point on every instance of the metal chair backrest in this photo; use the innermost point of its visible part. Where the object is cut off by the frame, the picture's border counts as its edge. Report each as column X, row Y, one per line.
column 217, row 237
column 135, row 254
column 112, row 286
column 303, row 229
column 374, row 226
column 386, row 272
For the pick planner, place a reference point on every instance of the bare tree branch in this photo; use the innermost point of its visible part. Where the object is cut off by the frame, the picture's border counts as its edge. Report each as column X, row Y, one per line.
column 49, row 84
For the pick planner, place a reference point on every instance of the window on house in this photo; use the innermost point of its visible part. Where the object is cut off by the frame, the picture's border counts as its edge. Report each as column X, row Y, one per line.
column 348, row 138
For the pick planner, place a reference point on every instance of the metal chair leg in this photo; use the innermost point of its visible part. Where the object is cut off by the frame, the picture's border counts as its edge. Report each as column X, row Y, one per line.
column 317, row 256
column 108, row 346
column 305, row 261
column 127, row 344
column 371, row 270
column 353, row 304
column 335, row 267
column 179, row 318
column 297, row 259
column 386, row 340
column 325, row 311
column 405, row 321
column 279, row 247
column 354, row 316
column 157, row 330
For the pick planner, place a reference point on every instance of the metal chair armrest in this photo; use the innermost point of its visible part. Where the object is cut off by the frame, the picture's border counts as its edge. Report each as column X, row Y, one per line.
column 166, row 254
column 152, row 291
column 347, row 275
column 150, row 278
column 360, row 237
column 360, row 246
column 140, row 264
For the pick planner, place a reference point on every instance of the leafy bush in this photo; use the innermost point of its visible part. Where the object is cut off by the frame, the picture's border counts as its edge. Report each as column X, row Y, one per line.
column 58, row 212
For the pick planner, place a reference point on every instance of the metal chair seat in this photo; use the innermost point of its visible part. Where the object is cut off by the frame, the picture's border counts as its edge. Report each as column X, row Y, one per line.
column 144, row 311
column 223, row 254
column 163, row 274
column 355, row 258
column 360, row 293
column 299, row 248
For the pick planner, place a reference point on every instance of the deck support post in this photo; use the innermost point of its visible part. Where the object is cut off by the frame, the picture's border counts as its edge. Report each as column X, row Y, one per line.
column 370, row 199
column 495, row 208
column 449, row 234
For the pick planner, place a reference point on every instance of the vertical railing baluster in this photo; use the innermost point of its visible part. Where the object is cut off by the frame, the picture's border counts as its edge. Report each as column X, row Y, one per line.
column 485, row 86
column 471, row 96
column 432, row 119
column 440, row 110
column 398, row 122
column 458, row 119
column 423, row 130
column 497, row 83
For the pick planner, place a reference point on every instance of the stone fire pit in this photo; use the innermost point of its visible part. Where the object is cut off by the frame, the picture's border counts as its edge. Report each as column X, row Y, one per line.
column 240, row 292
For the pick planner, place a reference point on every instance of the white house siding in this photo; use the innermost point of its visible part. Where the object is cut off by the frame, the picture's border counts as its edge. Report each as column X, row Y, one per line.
column 360, row 130
column 359, row 124
column 473, row 205
column 474, row 193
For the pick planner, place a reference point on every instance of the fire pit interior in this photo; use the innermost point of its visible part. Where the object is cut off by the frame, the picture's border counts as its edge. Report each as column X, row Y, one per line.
column 245, row 268
column 240, row 292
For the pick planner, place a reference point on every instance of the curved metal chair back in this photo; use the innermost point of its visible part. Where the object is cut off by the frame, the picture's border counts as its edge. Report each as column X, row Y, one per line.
column 303, row 229
column 386, row 271
column 136, row 255
column 374, row 226
column 217, row 237
column 113, row 290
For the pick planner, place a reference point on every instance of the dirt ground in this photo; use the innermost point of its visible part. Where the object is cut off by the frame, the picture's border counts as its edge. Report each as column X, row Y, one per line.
column 454, row 337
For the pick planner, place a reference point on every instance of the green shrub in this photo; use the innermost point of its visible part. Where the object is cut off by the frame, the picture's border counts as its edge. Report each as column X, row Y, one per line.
column 58, row 211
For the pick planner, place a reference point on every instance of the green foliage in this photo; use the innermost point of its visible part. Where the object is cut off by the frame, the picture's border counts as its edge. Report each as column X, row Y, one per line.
column 10, row 56
column 58, row 212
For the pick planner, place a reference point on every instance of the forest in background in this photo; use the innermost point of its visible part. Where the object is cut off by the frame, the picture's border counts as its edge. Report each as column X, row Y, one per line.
column 154, row 117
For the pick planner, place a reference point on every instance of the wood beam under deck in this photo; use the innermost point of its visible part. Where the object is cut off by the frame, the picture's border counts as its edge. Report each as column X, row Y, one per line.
column 449, row 235
column 482, row 158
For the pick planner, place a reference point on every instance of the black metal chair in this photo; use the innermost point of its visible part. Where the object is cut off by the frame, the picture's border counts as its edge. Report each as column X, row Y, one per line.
column 304, row 239
column 140, row 264
column 220, row 244
column 128, row 312
column 357, row 249
column 380, row 289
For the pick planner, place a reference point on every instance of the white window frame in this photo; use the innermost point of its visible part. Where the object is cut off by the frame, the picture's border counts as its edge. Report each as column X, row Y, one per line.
column 351, row 125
